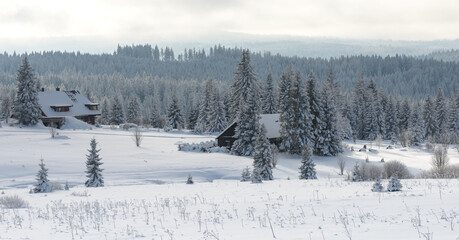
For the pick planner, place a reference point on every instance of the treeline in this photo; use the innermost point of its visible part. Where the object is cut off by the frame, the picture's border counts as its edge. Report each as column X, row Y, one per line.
column 397, row 75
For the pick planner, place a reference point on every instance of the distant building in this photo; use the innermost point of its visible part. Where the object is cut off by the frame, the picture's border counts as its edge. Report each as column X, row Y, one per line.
column 272, row 125
column 56, row 105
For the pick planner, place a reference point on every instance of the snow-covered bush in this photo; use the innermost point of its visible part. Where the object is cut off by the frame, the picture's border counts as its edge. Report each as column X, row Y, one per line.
column 55, row 186
column 12, row 202
column 396, row 168
column 366, row 171
column 394, row 184
column 209, row 147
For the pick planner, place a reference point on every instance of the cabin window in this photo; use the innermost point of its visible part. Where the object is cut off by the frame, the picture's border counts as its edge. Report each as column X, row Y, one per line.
column 93, row 107
column 61, row 109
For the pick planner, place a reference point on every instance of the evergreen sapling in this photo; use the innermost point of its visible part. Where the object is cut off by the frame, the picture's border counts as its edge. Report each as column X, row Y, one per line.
column 93, row 170
column 308, row 167
column 43, row 185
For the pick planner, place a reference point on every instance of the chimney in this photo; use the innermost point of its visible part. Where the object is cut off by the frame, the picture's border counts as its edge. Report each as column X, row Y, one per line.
column 57, row 89
column 42, row 89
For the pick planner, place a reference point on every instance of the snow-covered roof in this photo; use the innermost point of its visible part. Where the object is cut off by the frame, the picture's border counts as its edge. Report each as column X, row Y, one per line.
column 272, row 125
column 74, row 99
column 271, row 122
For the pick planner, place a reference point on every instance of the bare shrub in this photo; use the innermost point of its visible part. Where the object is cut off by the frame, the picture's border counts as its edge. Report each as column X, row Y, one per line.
column 13, row 202
column 440, row 161
column 370, row 171
column 450, row 171
column 405, row 139
column 378, row 141
column 137, row 136
column 430, row 146
column 341, row 164
column 397, row 169
column 52, row 131
column 56, row 186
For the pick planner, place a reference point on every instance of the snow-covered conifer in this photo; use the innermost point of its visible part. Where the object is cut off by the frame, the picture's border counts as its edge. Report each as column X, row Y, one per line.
column 308, row 167
column 43, row 185
column 154, row 116
column 189, row 180
column 316, row 110
column 377, row 186
column 104, row 111
column 256, row 177
column 429, row 117
column 133, row 110
column 93, row 170
column 394, row 184
column 356, row 174
column 116, row 112
column 5, row 108
column 217, row 118
column 287, row 128
column 404, row 116
column 246, row 131
column 26, row 108
column 269, row 104
column 174, row 115
column 245, row 85
column 416, row 127
column 441, row 116
column 245, row 176
column 262, row 155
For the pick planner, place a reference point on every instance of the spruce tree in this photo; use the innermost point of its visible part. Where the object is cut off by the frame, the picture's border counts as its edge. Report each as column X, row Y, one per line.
column 429, row 117
column 302, row 117
column 245, row 176
column 269, row 104
column 316, row 110
column 116, row 112
column 308, row 167
column 5, row 108
column 263, row 155
column 244, row 85
column 205, row 107
column 405, row 115
column 104, row 111
column 377, row 186
column 154, row 116
column 356, row 174
column 26, row 107
column 394, row 184
column 174, row 115
column 93, row 170
column 453, row 119
column 43, row 185
column 391, row 119
column 358, row 119
column 416, row 127
column 330, row 144
column 189, row 180
column 247, row 128
column 133, row 110
column 441, row 116
column 217, row 118
column 256, row 177
column 286, row 111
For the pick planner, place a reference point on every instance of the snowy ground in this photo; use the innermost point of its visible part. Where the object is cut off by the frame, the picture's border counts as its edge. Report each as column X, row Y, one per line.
column 146, row 196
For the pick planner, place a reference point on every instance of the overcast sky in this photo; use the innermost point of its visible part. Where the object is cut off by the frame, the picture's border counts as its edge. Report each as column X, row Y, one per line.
column 29, row 24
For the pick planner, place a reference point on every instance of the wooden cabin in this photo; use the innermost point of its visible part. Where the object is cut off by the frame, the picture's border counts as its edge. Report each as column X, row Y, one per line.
column 56, row 105
column 272, row 125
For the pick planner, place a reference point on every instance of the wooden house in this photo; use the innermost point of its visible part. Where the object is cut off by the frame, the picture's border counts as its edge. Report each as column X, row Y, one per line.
column 56, row 105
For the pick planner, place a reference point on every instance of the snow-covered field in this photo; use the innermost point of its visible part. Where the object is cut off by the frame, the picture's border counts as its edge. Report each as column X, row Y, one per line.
column 146, row 195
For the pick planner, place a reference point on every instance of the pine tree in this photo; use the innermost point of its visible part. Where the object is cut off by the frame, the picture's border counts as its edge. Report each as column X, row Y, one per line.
column 429, row 118
column 308, row 167
column 189, row 180
column 416, row 127
column 286, row 111
column 244, row 85
column 358, row 119
column 405, row 115
column 205, row 107
column 93, row 170
column 247, row 129
column 5, row 108
column 453, row 119
column 174, row 115
column 331, row 143
column 394, row 184
column 116, row 112
column 356, row 174
column 154, row 116
column 133, row 110
column 262, row 155
column 217, row 118
column 26, row 107
column 245, row 176
column 441, row 116
column 105, row 111
column 193, row 117
column 269, row 101
column 43, row 185
column 316, row 110
column 391, row 119
column 377, row 186
column 256, row 177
